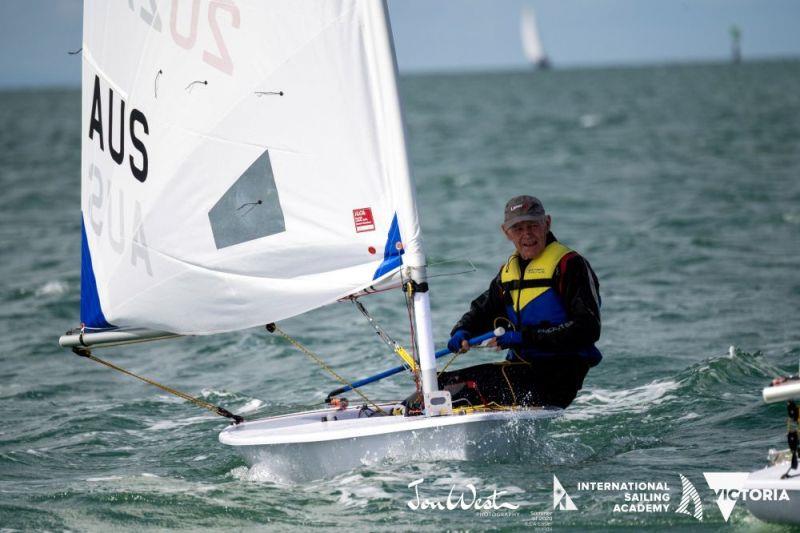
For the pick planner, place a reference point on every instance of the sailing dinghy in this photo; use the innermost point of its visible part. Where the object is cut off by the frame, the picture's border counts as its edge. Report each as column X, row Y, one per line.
column 775, row 490
column 244, row 162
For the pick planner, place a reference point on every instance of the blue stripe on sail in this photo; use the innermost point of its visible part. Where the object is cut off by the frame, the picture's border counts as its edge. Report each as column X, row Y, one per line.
column 91, row 313
column 391, row 255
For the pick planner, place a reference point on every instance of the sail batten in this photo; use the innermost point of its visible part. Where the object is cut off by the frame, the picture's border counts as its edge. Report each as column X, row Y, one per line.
column 243, row 165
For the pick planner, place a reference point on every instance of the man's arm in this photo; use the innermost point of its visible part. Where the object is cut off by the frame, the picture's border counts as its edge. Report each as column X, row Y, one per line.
column 579, row 290
column 483, row 311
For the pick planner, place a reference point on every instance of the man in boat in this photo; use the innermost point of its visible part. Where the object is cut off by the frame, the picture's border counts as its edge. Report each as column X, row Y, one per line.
column 546, row 298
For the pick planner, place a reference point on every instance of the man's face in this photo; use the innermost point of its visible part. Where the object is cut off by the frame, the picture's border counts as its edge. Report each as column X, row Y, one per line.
column 529, row 237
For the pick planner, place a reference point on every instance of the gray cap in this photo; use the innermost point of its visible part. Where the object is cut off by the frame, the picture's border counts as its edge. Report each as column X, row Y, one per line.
column 521, row 208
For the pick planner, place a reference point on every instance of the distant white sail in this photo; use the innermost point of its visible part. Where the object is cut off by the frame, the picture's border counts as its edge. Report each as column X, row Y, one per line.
column 531, row 42
column 242, row 162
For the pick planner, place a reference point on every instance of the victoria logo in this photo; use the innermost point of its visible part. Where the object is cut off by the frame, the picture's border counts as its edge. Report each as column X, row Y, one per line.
column 729, row 488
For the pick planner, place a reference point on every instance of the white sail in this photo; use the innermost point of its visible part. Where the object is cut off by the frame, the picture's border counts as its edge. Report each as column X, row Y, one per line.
column 529, row 32
column 242, row 161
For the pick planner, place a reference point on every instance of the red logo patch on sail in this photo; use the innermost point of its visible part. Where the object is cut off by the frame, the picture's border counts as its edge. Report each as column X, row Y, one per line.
column 363, row 219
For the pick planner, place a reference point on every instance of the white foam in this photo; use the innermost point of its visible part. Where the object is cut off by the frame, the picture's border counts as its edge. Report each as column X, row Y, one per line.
column 153, row 483
column 791, row 218
column 170, row 424
column 258, row 473
column 52, row 288
column 205, row 393
column 249, row 407
column 599, row 402
column 589, row 120
column 240, row 473
column 361, row 496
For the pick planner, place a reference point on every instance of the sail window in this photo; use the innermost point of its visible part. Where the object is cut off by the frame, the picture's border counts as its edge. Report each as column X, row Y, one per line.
column 250, row 209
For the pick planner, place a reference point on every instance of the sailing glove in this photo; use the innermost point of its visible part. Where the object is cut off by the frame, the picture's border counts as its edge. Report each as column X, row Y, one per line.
column 510, row 339
column 454, row 344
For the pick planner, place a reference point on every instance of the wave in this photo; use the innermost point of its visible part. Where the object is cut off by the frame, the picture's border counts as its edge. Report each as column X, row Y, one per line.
column 598, row 402
column 52, row 288
column 738, row 373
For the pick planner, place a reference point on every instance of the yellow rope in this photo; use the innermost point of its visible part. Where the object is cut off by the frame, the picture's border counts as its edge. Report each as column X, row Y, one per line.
column 510, row 328
column 510, row 388
column 491, row 406
column 448, row 362
column 406, row 357
column 402, row 353
column 321, row 363
column 83, row 352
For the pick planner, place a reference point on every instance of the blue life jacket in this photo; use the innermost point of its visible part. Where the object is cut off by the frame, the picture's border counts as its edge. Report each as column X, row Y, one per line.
column 531, row 300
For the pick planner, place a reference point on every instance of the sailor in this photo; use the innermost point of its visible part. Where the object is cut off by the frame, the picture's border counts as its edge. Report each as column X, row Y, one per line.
column 546, row 298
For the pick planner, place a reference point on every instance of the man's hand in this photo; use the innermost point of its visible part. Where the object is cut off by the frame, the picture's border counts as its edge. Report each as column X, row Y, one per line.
column 458, row 342
column 509, row 339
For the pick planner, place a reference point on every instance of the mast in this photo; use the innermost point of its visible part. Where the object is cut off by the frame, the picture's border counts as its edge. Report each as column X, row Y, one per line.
column 414, row 256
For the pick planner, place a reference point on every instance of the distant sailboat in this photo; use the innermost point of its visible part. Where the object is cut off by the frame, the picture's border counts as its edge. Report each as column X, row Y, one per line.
column 531, row 42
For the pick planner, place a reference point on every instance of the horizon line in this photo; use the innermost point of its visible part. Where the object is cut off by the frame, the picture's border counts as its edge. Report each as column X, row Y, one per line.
column 502, row 69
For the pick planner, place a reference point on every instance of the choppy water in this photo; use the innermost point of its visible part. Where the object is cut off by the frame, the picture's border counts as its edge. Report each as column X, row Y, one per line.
column 680, row 184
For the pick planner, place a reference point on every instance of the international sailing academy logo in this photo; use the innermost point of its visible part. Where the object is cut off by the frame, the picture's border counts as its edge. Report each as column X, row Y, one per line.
column 729, row 488
column 561, row 499
column 690, row 496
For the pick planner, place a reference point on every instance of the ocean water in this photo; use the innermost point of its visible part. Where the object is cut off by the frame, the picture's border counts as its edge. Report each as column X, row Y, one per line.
column 680, row 184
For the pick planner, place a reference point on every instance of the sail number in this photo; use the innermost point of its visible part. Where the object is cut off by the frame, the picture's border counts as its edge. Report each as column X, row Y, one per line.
column 137, row 128
column 219, row 13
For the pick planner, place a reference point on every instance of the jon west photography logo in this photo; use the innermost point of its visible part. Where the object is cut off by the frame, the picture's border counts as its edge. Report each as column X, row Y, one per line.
column 460, row 498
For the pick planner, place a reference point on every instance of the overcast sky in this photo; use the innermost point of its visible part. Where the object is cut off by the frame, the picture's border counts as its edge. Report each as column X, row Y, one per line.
column 452, row 35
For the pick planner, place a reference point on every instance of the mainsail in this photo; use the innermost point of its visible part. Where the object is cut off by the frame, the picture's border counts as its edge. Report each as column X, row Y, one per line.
column 531, row 42
column 242, row 161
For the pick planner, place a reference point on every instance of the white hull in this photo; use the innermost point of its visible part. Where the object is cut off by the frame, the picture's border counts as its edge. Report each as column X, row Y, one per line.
column 775, row 510
column 301, row 446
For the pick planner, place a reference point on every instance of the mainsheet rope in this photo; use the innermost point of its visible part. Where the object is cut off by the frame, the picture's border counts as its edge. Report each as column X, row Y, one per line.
column 216, row 409
column 274, row 328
